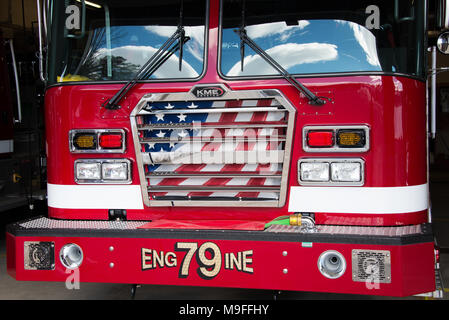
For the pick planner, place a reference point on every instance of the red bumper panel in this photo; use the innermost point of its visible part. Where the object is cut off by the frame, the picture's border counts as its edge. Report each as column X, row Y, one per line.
column 389, row 261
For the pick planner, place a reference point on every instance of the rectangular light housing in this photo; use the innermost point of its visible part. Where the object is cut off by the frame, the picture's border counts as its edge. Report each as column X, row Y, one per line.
column 106, row 171
column 97, row 141
column 331, row 171
column 352, row 138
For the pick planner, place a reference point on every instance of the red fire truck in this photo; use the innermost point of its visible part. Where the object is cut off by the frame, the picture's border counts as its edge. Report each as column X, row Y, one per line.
column 261, row 144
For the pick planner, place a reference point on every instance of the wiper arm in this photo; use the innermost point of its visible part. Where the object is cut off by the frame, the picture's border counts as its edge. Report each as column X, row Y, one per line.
column 156, row 60
column 166, row 55
column 313, row 99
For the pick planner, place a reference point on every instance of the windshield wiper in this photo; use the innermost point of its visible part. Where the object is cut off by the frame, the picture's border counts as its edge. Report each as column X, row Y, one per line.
column 313, row 99
column 176, row 42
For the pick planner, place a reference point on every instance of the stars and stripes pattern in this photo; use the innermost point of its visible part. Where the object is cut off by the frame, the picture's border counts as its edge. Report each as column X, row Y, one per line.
column 211, row 127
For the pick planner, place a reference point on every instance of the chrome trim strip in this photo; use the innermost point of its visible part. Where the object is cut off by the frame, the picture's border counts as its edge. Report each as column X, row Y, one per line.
column 214, row 189
column 213, row 110
column 208, row 126
column 212, row 139
column 213, row 203
column 215, row 175
column 213, row 157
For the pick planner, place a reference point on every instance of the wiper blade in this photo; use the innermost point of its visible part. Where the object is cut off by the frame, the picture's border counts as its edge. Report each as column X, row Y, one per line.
column 313, row 99
column 242, row 44
column 155, row 62
column 166, row 55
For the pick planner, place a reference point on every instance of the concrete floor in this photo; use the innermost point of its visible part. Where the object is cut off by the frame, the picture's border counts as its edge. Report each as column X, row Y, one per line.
column 11, row 289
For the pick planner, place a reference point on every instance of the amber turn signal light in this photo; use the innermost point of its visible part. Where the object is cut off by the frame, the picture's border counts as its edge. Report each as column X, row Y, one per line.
column 83, row 141
column 351, row 138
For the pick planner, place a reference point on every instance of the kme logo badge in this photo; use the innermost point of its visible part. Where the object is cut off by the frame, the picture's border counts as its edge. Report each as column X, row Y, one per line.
column 208, row 91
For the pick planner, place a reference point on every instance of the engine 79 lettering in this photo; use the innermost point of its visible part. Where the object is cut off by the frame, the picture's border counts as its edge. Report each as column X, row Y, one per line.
column 209, row 258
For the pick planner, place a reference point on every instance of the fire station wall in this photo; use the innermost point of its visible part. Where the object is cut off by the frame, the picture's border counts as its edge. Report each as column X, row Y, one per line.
column 441, row 151
column 14, row 18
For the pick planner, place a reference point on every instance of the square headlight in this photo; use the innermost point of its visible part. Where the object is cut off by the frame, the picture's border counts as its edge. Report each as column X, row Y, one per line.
column 115, row 171
column 346, row 171
column 314, row 171
column 87, row 170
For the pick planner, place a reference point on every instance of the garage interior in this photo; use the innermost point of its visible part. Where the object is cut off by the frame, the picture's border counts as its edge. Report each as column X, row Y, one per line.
column 23, row 173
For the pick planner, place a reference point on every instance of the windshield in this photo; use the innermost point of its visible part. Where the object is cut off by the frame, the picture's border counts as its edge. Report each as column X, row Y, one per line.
column 333, row 37
column 109, row 40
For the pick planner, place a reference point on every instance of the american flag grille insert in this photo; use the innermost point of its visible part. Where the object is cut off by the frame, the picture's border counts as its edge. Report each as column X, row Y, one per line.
column 232, row 150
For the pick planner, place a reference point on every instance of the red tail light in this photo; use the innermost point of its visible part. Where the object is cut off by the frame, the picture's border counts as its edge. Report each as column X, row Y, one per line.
column 111, row 141
column 320, row 139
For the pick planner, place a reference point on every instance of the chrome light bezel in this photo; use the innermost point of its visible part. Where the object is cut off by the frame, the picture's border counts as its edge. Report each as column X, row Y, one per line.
column 322, row 262
column 102, row 180
column 331, row 182
column 97, row 133
column 62, row 257
column 335, row 147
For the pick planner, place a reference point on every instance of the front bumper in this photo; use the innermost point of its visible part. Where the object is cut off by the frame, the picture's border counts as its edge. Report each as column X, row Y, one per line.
column 387, row 261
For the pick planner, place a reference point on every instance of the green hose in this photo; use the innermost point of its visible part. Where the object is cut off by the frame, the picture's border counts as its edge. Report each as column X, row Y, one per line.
column 283, row 220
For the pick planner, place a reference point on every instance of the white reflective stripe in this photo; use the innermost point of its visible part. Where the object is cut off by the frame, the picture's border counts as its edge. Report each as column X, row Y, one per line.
column 359, row 199
column 6, row 146
column 94, row 196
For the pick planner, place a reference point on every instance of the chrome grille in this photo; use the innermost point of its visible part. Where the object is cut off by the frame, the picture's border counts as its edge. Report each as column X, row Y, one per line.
column 204, row 152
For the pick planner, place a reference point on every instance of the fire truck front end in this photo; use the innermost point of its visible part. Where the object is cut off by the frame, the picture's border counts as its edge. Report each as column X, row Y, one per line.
column 252, row 144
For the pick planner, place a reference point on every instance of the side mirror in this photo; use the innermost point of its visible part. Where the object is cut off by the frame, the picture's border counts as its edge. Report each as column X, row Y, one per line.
column 443, row 43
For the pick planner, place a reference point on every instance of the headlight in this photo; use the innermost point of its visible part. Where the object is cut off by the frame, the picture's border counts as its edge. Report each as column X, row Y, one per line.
column 71, row 256
column 314, row 171
column 331, row 171
column 110, row 171
column 115, row 171
column 88, row 171
column 346, row 171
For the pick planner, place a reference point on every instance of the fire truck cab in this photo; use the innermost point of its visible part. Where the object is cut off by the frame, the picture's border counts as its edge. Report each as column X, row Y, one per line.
column 234, row 143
